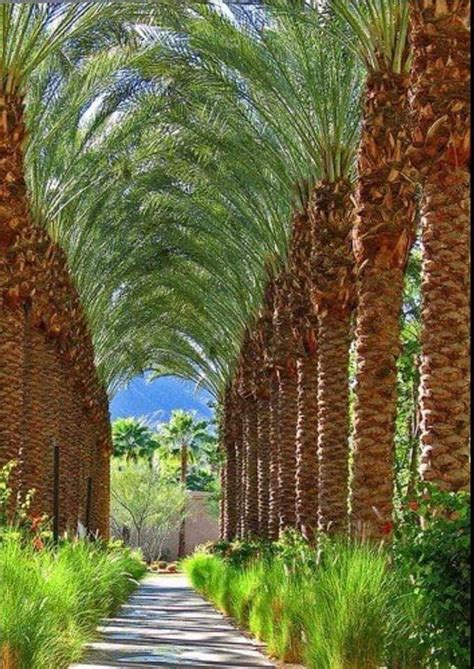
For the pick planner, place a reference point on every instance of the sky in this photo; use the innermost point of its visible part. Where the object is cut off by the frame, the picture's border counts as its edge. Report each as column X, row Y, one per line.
column 153, row 402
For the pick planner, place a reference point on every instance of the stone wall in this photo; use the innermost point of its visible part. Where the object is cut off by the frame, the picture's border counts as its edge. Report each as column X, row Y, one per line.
column 201, row 526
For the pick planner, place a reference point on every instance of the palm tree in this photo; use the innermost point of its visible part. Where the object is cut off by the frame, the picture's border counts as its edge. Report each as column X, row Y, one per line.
column 440, row 36
column 384, row 233
column 133, row 440
column 182, row 438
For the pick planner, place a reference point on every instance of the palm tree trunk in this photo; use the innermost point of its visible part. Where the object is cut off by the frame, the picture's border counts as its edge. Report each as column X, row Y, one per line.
column 383, row 236
column 250, row 420
column 13, row 220
column 332, row 291
column 304, row 324
column 12, row 325
column 239, row 461
column 263, row 435
column 230, row 515
column 334, row 344
column 267, row 346
column 285, row 362
column 262, row 385
column 307, row 457
column 222, row 503
column 183, row 477
column 440, row 104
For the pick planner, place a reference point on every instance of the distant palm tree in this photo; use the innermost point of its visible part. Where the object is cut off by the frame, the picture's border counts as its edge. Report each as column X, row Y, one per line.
column 184, row 439
column 133, row 440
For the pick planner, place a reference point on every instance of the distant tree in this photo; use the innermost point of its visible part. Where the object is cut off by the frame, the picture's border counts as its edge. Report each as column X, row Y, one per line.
column 146, row 501
column 186, row 440
column 133, row 440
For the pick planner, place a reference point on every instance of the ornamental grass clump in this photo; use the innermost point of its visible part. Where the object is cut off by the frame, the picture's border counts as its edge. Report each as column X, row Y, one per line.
column 52, row 599
column 350, row 610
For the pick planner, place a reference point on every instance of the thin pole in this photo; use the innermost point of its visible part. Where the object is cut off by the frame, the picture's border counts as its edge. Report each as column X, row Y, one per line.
column 88, row 505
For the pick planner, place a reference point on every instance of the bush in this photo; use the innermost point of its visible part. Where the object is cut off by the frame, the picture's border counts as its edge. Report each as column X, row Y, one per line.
column 433, row 548
column 52, row 599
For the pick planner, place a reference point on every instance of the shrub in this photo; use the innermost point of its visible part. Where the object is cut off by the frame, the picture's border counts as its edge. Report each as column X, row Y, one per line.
column 433, row 548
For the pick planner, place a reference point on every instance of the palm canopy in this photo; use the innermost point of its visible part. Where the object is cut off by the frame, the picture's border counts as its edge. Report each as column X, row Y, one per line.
column 183, row 429
column 30, row 33
column 133, row 439
column 173, row 194
column 380, row 29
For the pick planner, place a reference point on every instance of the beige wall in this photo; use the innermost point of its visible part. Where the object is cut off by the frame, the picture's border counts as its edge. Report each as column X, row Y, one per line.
column 201, row 526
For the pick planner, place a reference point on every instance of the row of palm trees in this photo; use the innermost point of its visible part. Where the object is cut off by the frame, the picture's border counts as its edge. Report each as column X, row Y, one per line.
column 54, row 416
column 237, row 205
column 358, row 237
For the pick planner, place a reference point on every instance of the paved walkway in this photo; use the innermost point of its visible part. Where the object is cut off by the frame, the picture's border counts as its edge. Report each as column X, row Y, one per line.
column 166, row 624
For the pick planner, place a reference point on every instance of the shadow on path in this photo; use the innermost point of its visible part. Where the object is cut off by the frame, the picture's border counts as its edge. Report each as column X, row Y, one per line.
column 166, row 624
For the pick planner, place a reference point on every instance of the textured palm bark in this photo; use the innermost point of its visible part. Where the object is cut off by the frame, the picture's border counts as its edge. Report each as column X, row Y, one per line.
column 70, row 443
column 39, row 438
column 307, row 456
column 383, row 236
column 274, row 481
column 250, row 435
column 53, row 397
column 12, row 318
column 332, row 292
column 334, row 344
column 36, row 350
column 11, row 383
column 285, row 363
column 262, row 391
column 239, row 466
column 304, row 326
column 440, row 103
column 266, row 346
column 222, row 503
column 230, row 492
column 263, row 429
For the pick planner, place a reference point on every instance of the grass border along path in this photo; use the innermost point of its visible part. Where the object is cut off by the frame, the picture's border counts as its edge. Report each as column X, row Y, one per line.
column 52, row 599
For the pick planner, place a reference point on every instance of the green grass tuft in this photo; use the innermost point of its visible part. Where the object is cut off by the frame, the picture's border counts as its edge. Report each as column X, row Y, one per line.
column 52, row 600
column 351, row 611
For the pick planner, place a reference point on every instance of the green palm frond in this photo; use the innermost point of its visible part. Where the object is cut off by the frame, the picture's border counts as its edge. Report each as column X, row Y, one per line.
column 380, row 29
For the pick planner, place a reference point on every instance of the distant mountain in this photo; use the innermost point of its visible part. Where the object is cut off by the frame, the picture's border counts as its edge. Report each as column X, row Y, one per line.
column 154, row 401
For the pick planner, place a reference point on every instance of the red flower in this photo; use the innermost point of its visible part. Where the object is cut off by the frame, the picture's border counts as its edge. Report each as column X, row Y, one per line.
column 387, row 527
column 414, row 506
column 36, row 522
column 38, row 544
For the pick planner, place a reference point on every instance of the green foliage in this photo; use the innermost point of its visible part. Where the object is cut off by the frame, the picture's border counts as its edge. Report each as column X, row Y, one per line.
column 433, row 547
column 133, row 439
column 51, row 600
column 348, row 610
column 150, row 503
column 185, row 431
